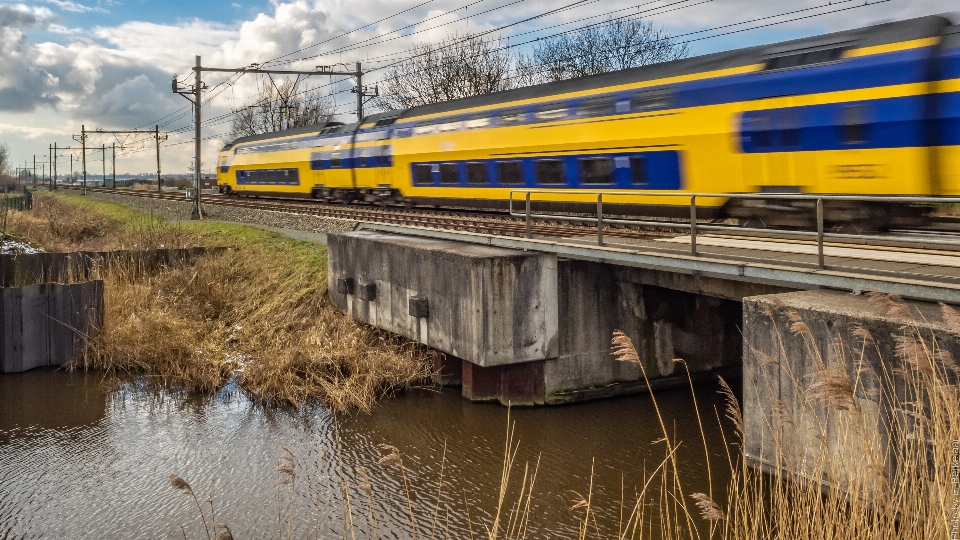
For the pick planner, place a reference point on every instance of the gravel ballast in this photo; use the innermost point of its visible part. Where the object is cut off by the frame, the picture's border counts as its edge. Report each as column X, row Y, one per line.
column 180, row 211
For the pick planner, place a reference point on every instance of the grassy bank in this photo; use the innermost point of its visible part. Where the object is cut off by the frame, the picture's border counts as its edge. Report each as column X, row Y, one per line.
column 257, row 310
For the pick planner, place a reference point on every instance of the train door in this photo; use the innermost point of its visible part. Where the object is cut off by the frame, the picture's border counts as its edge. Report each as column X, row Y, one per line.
column 771, row 144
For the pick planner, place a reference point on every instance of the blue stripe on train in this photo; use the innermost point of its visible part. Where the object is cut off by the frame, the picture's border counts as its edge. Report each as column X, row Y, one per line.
column 883, row 123
column 659, row 170
column 948, row 65
column 278, row 177
column 901, row 67
column 947, row 119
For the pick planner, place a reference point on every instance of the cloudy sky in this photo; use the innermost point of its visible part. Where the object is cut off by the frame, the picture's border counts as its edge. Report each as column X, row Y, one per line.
column 108, row 63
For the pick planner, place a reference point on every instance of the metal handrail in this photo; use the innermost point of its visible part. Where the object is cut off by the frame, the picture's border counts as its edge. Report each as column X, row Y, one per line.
column 695, row 227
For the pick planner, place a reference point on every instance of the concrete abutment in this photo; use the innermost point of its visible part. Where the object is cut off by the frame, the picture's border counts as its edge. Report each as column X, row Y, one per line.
column 832, row 381
column 529, row 327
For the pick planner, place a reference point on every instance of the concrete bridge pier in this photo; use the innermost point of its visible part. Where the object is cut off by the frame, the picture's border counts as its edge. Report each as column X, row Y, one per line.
column 832, row 381
column 526, row 327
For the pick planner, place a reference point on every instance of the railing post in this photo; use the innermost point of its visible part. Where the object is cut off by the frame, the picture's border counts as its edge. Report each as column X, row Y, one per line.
column 528, row 215
column 599, row 219
column 820, row 232
column 693, row 225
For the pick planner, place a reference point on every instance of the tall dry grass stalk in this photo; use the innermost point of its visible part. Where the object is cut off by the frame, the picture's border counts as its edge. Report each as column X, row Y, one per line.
column 863, row 449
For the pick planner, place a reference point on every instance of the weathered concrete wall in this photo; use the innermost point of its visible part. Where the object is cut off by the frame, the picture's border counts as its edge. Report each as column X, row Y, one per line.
column 596, row 299
column 794, row 342
column 45, row 325
column 488, row 306
column 525, row 327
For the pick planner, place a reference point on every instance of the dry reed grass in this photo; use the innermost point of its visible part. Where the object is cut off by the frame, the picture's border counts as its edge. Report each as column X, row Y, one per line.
column 64, row 224
column 252, row 313
column 257, row 312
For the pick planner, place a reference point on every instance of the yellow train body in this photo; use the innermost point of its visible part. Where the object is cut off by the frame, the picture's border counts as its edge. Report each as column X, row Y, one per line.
column 867, row 112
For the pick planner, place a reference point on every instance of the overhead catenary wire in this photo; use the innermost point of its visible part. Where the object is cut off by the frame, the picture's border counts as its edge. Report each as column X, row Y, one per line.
column 571, row 5
column 708, row 30
column 344, row 34
column 712, row 29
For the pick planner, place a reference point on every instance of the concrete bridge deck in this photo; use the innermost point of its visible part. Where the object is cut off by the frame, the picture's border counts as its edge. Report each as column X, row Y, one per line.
column 923, row 272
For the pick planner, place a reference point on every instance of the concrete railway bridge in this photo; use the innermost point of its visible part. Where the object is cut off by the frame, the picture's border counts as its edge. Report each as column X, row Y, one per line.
column 529, row 320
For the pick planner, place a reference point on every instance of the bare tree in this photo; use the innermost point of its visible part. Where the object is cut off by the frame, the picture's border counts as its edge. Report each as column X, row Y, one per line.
column 5, row 159
column 7, row 182
column 456, row 67
column 470, row 65
column 613, row 45
column 282, row 105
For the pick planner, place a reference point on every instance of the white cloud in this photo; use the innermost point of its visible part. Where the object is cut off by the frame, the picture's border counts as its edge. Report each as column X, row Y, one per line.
column 32, row 132
column 74, row 7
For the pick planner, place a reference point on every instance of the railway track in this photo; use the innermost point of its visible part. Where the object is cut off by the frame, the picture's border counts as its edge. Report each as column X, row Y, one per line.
column 501, row 223
column 486, row 222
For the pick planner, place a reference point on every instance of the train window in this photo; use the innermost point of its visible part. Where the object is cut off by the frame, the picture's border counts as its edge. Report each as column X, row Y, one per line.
column 853, row 124
column 801, row 59
column 477, row 121
column 550, row 111
column 596, row 171
column 511, row 173
column 423, row 174
column 511, row 117
column 476, row 173
column 597, row 106
column 648, row 100
column 386, row 155
column 549, row 171
column 335, row 160
column 638, row 166
column 386, row 121
column 448, row 174
column 424, row 128
column 789, row 129
column 759, row 128
column 295, row 176
column 448, row 126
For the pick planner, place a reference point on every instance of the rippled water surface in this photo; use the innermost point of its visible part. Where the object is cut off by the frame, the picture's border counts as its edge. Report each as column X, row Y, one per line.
column 78, row 461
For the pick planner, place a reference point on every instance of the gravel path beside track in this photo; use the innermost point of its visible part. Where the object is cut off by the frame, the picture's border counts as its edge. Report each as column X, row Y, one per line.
column 180, row 211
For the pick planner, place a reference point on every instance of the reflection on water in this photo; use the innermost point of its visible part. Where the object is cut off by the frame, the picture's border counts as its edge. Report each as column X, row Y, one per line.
column 77, row 461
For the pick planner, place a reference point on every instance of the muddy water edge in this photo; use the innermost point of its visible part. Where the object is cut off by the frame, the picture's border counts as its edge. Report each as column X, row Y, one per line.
column 82, row 459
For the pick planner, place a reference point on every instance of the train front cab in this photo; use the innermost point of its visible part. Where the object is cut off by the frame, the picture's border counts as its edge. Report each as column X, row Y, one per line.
column 223, row 168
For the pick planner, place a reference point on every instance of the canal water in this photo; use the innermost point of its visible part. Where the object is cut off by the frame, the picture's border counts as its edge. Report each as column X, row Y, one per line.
column 79, row 460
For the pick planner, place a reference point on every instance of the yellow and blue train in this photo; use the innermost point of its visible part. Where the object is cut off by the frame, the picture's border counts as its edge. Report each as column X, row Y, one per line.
column 873, row 111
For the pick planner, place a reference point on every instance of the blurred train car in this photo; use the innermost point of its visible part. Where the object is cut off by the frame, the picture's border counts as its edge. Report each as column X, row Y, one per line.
column 873, row 111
